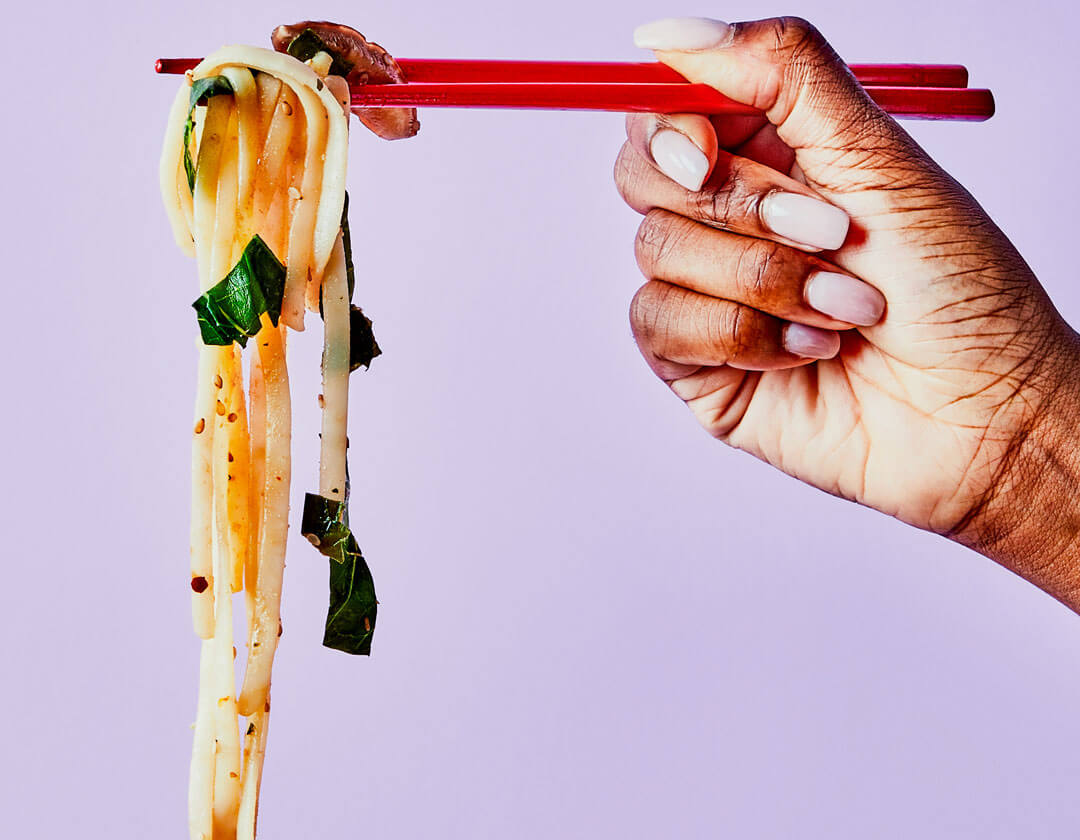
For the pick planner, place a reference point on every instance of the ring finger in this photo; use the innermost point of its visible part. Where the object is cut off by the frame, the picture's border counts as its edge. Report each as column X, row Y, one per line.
column 759, row 273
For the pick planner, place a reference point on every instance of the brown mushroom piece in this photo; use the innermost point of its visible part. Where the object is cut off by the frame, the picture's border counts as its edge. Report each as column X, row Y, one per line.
column 371, row 64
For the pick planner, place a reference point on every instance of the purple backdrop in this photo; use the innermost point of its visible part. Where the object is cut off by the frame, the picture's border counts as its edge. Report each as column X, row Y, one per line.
column 595, row 621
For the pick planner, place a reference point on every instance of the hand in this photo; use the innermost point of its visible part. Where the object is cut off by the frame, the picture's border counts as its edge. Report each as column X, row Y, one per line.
column 909, row 361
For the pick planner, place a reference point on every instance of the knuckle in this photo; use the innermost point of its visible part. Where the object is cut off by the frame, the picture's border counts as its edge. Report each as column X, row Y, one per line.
column 756, row 268
column 645, row 309
column 730, row 329
column 625, row 171
column 728, row 204
column 656, row 237
column 797, row 37
column 792, row 30
column 803, row 48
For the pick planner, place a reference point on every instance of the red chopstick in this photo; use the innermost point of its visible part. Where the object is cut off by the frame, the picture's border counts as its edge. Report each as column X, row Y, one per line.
column 491, row 70
column 912, row 91
column 453, row 70
column 909, row 102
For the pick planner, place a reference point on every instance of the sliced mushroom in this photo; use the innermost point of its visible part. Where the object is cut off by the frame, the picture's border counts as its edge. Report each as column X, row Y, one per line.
column 370, row 64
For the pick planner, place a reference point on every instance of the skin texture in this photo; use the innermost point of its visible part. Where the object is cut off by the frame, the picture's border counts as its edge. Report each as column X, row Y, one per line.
column 954, row 412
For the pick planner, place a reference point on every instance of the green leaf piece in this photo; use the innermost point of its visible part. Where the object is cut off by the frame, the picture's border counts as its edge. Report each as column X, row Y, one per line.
column 231, row 310
column 350, row 619
column 362, row 345
column 346, row 240
column 201, row 90
column 307, row 44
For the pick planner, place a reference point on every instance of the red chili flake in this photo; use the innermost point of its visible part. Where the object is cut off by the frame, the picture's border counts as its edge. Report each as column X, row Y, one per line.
column 199, row 584
column 232, row 417
column 218, row 382
column 367, row 625
column 233, row 775
column 251, row 729
column 230, row 458
column 220, row 408
column 280, row 629
column 199, row 426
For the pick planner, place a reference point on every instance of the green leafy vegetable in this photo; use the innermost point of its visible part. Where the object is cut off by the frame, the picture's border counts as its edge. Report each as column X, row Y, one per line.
column 201, row 90
column 230, row 311
column 346, row 240
column 350, row 620
column 362, row 345
column 307, row 44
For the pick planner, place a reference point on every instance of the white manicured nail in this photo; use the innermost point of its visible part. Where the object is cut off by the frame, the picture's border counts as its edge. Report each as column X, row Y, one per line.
column 845, row 298
column 814, row 223
column 811, row 342
column 679, row 158
column 683, row 34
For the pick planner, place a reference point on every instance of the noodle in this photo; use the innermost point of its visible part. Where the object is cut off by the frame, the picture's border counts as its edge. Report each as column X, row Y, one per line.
column 252, row 177
column 279, row 128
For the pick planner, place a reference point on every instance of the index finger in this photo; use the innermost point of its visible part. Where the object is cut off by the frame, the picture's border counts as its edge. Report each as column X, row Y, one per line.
column 682, row 146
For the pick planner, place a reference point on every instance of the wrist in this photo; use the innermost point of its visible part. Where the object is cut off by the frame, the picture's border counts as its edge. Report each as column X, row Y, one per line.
column 1030, row 520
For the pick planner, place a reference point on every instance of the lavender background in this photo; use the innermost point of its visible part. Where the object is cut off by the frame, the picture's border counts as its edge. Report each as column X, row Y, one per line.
column 595, row 622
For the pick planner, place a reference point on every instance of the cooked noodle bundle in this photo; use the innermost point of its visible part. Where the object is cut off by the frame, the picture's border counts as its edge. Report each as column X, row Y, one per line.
column 253, row 178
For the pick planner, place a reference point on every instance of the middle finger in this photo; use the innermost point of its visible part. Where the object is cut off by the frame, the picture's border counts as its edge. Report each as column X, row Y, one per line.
column 740, row 196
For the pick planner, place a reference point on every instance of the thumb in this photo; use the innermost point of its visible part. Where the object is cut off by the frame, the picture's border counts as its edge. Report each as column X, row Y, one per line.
column 785, row 68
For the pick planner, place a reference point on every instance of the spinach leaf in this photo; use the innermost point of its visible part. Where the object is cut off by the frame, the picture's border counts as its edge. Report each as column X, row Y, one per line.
column 346, row 240
column 201, row 90
column 305, row 45
column 362, row 345
column 230, row 310
column 350, row 620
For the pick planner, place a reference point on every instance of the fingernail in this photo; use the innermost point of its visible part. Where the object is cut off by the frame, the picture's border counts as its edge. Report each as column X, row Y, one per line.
column 679, row 158
column 683, row 34
column 804, row 219
column 845, row 298
column 810, row 341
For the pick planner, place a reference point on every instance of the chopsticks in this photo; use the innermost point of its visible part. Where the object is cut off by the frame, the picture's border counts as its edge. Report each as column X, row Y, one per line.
column 910, row 102
column 913, row 91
